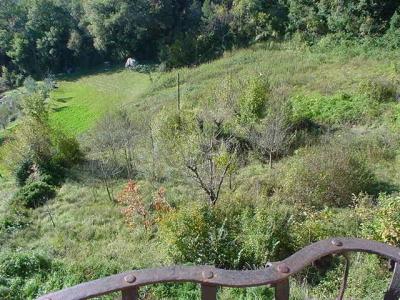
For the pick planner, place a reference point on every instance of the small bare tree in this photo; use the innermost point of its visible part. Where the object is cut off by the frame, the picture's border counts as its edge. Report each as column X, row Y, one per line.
column 195, row 144
column 104, row 170
column 116, row 134
column 209, row 158
column 112, row 145
column 148, row 151
column 274, row 135
column 126, row 133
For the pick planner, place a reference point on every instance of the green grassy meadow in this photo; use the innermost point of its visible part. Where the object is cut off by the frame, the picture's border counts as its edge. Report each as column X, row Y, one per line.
column 89, row 234
column 79, row 102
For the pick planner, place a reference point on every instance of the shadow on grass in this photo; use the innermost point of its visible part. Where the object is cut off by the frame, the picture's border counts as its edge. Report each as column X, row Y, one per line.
column 58, row 109
column 5, row 135
column 103, row 69
column 2, row 139
column 63, row 99
column 90, row 72
column 382, row 187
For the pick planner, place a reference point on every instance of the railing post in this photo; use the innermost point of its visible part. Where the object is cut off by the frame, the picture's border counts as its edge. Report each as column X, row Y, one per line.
column 130, row 294
column 393, row 292
column 208, row 292
column 275, row 274
column 345, row 278
column 282, row 290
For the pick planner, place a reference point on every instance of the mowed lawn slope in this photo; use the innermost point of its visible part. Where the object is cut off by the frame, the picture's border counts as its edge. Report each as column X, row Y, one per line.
column 78, row 103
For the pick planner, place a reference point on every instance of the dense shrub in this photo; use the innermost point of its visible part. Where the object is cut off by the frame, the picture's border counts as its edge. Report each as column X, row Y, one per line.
column 361, row 284
column 199, row 234
column 316, row 226
column 22, row 274
column 3, row 85
column 34, row 154
column 385, row 225
column 13, row 219
column 230, row 237
column 253, row 102
column 30, row 142
column 181, row 52
column 68, row 151
column 34, row 194
column 378, row 89
column 10, row 78
column 333, row 110
column 22, row 264
column 265, row 235
column 391, row 38
column 322, row 176
column 52, row 173
column 173, row 129
column 23, row 171
column 351, row 19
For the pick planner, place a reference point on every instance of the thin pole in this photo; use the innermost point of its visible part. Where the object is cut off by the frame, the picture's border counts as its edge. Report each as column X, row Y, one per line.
column 51, row 217
column 179, row 94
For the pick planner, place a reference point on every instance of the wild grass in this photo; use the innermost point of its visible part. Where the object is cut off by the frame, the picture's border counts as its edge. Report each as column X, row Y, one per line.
column 89, row 233
column 79, row 102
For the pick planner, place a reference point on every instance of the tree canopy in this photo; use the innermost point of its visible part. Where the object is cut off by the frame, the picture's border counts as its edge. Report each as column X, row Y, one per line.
column 41, row 36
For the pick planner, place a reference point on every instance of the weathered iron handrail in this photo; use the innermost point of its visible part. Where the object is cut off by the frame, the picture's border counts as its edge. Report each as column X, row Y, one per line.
column 276, row 274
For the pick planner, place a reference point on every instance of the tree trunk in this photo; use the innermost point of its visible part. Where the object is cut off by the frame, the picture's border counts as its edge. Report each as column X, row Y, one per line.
column 153, row 156
column 270, row 160
column 212, row 197
column 109, row 193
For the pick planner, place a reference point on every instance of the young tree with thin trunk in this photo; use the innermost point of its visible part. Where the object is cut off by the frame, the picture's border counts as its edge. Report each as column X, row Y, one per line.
column 274, row 135
column 113, row 143
column 209, row 158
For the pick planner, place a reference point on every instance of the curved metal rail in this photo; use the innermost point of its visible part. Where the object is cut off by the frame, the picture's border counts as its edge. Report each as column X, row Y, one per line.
column 275, row 274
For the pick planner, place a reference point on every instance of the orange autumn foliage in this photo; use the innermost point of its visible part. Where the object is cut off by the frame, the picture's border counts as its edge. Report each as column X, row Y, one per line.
column 134, row 206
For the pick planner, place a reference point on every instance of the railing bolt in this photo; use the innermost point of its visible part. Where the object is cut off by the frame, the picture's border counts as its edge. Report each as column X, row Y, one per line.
column 130, row 278
column 337, row 243
column 208, row 274
column 283, row 268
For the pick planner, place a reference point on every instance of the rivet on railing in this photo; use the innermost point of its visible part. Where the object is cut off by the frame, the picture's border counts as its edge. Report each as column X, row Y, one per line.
column 283, row 268
column 337, row 243
column 130, row 278
column 208, row 274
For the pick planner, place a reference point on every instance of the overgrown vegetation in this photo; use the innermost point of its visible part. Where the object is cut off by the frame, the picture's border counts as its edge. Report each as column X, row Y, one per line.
column 267, row 149
column 49, row 35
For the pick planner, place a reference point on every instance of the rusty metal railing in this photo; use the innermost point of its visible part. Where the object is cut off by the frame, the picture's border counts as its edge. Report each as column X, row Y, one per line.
column 276, row 274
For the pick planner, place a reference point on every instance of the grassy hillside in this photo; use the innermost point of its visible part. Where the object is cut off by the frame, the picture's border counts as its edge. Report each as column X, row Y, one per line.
column 81, row 100
column 86, row 234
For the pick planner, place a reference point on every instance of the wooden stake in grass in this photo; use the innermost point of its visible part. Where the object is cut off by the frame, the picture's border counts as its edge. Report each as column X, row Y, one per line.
column 50, row 215
column 179, row 95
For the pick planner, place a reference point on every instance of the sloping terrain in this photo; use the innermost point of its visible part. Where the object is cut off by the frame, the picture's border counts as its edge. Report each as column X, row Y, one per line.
column 85, row 232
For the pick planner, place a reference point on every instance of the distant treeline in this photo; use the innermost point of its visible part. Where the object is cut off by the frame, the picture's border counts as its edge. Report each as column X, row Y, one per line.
column 39, row 36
